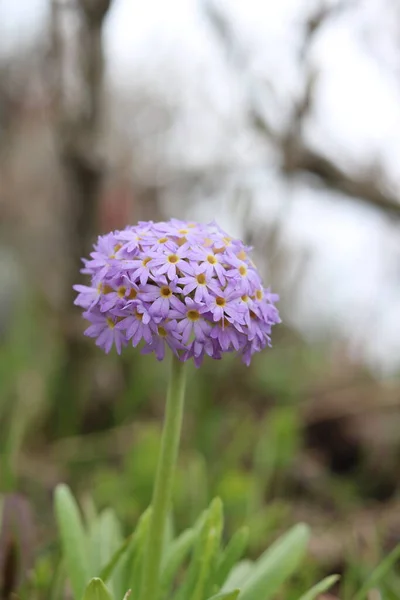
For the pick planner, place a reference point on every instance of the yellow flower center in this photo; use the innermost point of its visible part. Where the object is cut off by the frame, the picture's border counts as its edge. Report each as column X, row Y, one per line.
column 220, row 301
column 165, row 291
column 242, row 270
column 241, row 255
column 107, row 289
column 146, row 260
column 259, row 294
column 245, row 298
column 163, row 240
column 117, row 247
column 162, row 331
column 201, row 279
column 181, row 241
column 121, row 291
column 132, row 294
column 138, row 315
column 227, row 240
column 211, row 259
column 193, row 315
column 110, row 323
column 173, row 258
column 183, row 231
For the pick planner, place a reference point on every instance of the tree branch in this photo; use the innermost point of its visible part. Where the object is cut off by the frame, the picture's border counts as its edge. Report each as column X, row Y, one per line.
column 364, row 188
column 296, row 157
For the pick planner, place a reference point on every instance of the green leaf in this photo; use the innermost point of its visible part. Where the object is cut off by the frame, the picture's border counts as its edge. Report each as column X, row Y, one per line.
column 58, row 583
column 96, row 590
column 379, row 573
column 320, row 588
column 168, row 533
column 109, row 568
column 73, row 539
column 89, row 511
column 200, row 575
column 134, row 555
column 232, row 554
column 105, row 538
column 210, row 541
column 276, row 564
column 238, row 575
column 226, row 595
column 175, row 556
column 123, row 572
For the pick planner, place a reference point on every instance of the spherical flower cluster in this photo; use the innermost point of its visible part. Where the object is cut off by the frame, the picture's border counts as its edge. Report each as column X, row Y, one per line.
column 184, row 285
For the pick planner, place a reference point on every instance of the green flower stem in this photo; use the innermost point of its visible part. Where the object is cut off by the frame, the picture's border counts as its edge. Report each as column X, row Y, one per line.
column 164, row 480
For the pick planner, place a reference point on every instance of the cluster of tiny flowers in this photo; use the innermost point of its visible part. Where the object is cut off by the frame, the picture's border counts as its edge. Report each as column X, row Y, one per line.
column 184, row 285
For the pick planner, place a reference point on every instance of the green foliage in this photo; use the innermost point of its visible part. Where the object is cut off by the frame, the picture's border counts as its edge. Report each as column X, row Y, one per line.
column 107, row 571
column 132, row 571
column 276, row 565
column 379, row 574
column 242, row 491
column 20, row 369
column 320, row 588
column 242, row 441
column 231, row 554
column 174, row 559
column 212, row 571
column 96, row 590
column 226, row 595
column 74, row 542
column 199, row 578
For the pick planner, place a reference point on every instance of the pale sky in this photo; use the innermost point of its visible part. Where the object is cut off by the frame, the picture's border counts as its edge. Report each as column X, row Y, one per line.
column 355, row 280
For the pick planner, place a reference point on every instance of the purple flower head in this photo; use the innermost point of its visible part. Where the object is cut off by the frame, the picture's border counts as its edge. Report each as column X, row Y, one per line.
column 179, row 285
column 104, row 329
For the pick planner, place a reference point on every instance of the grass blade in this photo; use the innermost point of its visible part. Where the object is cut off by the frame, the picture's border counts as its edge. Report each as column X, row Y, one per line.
column 204, row 558
column 175, row 556
column 232, row 554
column 239, row 574
column 226, row 595
column 96, row 590
column 320, row 588
column 276, row 565
column 73, row 540
column 108, row 569
column 379, row 573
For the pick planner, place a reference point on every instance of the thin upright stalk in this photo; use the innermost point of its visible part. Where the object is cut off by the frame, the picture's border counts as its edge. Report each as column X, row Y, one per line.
column 164, row 480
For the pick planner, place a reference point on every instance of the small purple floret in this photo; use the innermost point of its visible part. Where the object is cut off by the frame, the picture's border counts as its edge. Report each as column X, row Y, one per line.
column 176, row 284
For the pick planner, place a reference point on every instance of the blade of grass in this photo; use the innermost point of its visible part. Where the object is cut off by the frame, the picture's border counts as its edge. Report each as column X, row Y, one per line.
column 226, row 595
column 232, row 554
column 96, row 590
column 379, row 573
column 108, row 570
column 73, row 539
column 320, row 588
column 276, row 565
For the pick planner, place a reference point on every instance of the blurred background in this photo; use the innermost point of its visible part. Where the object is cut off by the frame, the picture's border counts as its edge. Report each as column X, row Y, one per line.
column 282, row 122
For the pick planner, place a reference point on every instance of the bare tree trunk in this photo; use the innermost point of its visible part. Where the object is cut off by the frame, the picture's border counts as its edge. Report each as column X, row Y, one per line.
column 78, row 62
